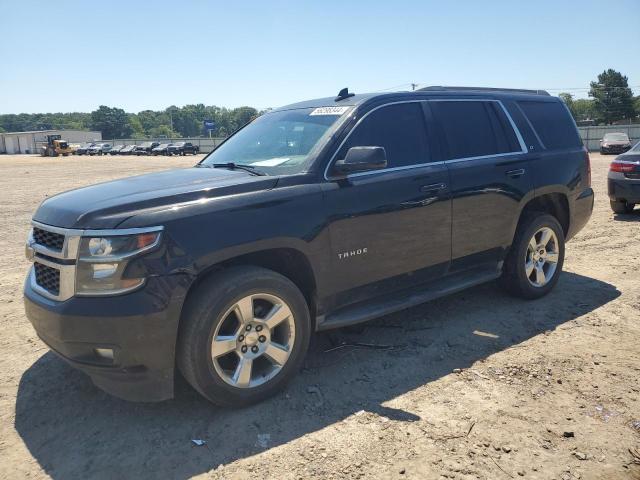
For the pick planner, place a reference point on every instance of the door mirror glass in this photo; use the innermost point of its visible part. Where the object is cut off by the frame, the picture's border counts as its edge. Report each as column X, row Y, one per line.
column 362, row 159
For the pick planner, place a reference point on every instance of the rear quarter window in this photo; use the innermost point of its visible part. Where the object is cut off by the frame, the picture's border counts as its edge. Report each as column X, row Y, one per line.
column 553, row 124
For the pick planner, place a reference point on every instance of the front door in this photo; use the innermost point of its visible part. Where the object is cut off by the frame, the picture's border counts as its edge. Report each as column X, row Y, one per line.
column 389, row 228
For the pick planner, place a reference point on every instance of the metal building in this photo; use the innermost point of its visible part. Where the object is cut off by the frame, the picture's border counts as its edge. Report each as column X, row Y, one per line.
column 30, row 142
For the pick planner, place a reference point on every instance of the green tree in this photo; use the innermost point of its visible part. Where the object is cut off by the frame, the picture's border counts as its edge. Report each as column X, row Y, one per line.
column 613, row 99
column 163, row 131
column 136, row 126
column 583, row 108
column 112, row 122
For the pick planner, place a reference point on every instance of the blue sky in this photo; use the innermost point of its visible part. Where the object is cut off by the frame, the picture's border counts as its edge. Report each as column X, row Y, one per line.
column 148, row 55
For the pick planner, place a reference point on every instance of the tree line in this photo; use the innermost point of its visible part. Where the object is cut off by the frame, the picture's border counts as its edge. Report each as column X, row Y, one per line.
column 113, row 122
column 611, row 100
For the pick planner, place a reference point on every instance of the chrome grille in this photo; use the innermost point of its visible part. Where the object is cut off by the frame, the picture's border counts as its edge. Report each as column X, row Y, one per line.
column 52, row 240
column 47, row 278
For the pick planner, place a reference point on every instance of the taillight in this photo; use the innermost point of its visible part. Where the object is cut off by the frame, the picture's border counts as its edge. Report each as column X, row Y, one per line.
column 622, row 167
column 587, row 161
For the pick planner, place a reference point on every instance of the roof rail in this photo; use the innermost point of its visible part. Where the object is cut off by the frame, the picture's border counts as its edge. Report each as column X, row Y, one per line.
column 437, row 88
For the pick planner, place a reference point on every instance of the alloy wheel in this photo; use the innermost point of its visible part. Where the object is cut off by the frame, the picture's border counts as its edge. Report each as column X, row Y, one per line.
column 253, row 341
column 541, row 260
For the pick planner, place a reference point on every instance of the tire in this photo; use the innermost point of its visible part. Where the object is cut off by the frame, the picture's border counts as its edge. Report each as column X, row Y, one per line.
column 210, row 310
column 519, row 278
column 621, row 206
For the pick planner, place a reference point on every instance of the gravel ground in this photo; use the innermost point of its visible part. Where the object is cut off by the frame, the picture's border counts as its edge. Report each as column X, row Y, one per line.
column 475, row 385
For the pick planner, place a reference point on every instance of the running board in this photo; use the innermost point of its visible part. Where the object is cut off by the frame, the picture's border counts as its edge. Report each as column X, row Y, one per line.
column 391, row 303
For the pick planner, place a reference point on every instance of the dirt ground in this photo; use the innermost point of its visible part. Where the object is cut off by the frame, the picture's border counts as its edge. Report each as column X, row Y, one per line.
column 478, row 385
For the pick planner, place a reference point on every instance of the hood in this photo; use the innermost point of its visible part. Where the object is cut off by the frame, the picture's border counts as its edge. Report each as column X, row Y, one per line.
column 106, row 205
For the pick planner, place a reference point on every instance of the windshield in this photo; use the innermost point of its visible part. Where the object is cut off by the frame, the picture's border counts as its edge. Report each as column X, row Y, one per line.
column 636, row 148
column 616, row 137
column 279, row 143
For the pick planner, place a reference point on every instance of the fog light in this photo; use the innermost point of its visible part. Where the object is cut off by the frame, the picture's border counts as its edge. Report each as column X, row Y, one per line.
column 104, row 353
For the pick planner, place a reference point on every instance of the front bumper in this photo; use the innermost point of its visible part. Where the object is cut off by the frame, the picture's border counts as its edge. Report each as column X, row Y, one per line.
column 620, row 187
column 615, row 148
column 140, row 328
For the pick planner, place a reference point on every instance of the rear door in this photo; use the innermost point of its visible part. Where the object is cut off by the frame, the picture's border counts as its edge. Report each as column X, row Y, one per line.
column 489, row 178
column 390, row 228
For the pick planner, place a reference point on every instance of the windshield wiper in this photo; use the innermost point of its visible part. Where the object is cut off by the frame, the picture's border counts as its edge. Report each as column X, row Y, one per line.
column 234, row 166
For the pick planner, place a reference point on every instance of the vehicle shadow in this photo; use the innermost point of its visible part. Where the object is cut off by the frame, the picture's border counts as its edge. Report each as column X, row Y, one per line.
column 74, row 430
column 628, row 217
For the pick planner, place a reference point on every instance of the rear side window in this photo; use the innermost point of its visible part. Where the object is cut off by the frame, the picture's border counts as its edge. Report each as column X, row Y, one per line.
column 399, row 128
column 553, row 124
column 474, row 128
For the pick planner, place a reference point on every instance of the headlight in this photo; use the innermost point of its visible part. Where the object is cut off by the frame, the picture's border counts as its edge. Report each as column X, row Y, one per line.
column 102, row 261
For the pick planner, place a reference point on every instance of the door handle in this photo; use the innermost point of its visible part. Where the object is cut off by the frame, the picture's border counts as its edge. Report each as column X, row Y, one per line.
column 433, row 187
column 518, row 172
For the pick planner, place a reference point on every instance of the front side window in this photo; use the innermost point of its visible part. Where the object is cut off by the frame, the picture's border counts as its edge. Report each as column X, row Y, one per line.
column 474, row 129
column 279, row 143
column 399, row 128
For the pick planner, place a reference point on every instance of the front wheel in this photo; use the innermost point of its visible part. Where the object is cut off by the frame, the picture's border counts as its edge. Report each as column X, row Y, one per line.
column 535, row 259
column 621, row 206
column 244, row 334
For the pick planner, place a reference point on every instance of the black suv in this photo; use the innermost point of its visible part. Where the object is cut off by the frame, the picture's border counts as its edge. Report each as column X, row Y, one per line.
column 144, row 148
column 182, row 148
column 314, row 216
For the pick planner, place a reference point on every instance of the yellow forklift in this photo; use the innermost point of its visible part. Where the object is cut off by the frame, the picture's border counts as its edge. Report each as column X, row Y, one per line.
column 56, row 146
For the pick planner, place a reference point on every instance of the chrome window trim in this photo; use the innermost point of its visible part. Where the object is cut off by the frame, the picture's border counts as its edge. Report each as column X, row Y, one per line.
column 71, row 253
column 392, row 169
column 523, row 147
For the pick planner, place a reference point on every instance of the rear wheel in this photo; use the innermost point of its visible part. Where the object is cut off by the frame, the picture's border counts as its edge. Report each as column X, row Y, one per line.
column 621, row 206
column 535, row 259
column 244, row 335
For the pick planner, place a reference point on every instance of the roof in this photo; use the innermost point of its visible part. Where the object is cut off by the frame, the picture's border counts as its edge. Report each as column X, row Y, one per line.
column 434, row 91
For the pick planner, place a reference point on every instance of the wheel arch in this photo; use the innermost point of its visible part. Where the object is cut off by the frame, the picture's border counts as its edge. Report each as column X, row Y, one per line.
column 288, row 261
column 553, row 203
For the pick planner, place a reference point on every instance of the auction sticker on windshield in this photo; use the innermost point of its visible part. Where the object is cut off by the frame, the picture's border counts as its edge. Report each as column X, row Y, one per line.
column 329, row 110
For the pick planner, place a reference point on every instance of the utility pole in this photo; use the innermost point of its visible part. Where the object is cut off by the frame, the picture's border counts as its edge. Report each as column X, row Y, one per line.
column 413, row 86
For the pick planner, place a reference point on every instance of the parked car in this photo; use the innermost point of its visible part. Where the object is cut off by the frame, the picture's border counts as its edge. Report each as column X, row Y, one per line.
column 127, row 150
column 390, row 200
column 99, row 149
column 82, row 149
column 115, row 150
column 145, row 148
column 623, row 181
column 162, row 149
column 182, row 148
column 615, row 143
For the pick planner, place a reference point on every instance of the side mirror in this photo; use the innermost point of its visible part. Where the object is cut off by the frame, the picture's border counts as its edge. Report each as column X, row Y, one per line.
column 362, row 159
